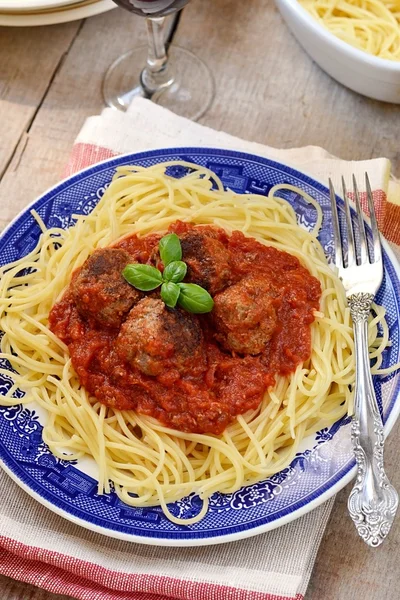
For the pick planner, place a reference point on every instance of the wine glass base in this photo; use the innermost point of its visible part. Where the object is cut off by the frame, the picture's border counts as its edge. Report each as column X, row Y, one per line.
column 190, row 94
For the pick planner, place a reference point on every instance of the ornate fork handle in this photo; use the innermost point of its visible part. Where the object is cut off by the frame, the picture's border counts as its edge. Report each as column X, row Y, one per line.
column 373, row 500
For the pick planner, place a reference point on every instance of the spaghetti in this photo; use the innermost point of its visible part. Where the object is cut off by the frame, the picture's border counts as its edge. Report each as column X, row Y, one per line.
column 148, row 463
column 369, row 25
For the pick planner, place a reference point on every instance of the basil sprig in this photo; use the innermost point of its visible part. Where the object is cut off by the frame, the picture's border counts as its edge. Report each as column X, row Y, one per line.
column 191, row 297
column 170, row 248
column 194, row 298
column 175, row 271
column 170, row 293
column 143, row 277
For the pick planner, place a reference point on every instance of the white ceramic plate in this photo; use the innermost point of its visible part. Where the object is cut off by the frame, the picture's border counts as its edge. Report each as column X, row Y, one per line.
column 74, row 13
column 23, row 6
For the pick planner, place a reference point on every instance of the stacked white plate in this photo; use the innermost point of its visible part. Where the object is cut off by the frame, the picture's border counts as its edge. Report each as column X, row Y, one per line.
column 28, row 13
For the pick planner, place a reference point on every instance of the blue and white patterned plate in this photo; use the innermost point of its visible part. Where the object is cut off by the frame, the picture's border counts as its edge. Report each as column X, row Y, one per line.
column 325, row 463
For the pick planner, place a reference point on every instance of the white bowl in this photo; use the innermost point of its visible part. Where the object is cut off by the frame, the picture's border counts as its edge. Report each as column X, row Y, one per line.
column 369, row 75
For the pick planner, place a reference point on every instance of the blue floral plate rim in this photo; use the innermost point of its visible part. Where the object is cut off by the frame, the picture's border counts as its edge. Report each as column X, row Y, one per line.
column 292, row 511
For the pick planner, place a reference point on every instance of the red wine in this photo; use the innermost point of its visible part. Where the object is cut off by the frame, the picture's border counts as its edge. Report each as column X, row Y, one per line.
column 152, row 8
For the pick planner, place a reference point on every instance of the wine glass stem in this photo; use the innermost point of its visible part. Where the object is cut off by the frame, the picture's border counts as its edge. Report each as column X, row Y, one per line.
column 156, row 74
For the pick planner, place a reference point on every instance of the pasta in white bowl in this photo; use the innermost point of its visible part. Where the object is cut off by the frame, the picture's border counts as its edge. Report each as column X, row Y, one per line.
column 369, row 75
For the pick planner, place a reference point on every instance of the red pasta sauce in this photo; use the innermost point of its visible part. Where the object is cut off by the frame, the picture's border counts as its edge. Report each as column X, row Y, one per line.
column 194, row 373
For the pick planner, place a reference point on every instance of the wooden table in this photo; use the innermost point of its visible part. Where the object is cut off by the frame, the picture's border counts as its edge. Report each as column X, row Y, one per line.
column 268, row 91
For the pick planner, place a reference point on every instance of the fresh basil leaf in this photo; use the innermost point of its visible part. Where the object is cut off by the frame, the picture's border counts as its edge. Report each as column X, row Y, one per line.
column 175, row 271
column 170, row 293
column 170, row 248
column 142, row 277
column 194, row 298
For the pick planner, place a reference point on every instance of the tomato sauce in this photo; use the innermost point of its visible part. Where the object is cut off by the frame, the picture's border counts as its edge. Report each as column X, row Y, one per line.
column 209, row 394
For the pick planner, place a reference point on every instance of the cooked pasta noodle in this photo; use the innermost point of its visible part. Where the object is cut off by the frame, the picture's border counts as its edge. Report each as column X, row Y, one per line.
column 369, row 25
column 148, row 463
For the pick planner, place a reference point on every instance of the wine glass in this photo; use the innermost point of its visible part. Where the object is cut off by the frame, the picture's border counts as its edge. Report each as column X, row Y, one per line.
column 176, row 79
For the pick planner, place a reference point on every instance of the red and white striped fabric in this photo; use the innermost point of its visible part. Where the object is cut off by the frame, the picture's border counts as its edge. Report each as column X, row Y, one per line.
column 41, row 548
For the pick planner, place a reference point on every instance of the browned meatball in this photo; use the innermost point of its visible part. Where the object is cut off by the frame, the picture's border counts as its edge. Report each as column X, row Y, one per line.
column 155, row 339
column 244, row 315
column 100, row 291
column 207, row 259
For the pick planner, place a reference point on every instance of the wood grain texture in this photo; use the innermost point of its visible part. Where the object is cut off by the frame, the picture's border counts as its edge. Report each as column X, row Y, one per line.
column 17, row 590
column 29, row 59
column 75, row 93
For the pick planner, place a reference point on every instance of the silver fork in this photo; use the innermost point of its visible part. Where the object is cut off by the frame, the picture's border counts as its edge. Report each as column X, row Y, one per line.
column 373, row 500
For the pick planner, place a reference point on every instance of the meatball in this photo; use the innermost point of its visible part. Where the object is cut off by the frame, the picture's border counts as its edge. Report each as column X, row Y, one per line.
column 244, row 315
column 99, row 290
column 155, row 339
column 207, row 259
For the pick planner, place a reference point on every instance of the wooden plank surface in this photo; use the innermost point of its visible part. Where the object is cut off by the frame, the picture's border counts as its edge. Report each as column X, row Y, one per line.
column 42, row 149
column 269, row 91
column 30, row 58
column 74, row 94
column 17, row 590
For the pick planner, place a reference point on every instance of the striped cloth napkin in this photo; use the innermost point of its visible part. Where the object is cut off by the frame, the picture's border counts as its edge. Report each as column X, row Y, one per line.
column 41, row 548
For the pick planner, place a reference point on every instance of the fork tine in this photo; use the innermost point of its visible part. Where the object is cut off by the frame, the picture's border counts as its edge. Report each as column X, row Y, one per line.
column 374, row 224
column 336, row 228
column 351, row 256
column 363, row 238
